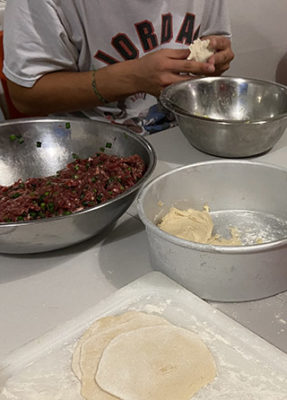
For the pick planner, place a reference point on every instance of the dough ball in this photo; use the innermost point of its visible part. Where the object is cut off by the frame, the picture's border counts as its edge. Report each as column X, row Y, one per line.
column 190, row 224
column 196, row 226
column 199, row 51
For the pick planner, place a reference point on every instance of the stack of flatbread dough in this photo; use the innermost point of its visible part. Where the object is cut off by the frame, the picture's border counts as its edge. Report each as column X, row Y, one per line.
column 139, row 356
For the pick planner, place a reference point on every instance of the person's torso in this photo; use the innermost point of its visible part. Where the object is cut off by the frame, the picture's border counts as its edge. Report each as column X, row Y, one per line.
column 110, row 31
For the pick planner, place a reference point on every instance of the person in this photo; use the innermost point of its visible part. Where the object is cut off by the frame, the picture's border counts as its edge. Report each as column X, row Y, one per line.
column 108, row 58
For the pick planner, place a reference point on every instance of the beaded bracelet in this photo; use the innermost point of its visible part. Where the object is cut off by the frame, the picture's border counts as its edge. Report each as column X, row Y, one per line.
column 97, row 93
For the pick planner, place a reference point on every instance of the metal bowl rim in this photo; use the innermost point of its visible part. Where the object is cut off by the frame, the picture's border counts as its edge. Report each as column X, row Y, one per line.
column 165, row 101
column 148, row 172
column 246, row 249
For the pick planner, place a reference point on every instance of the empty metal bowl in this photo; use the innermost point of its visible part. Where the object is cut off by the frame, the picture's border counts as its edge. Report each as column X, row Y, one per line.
column 248, row 196
column 229, row 116
column 46, row 146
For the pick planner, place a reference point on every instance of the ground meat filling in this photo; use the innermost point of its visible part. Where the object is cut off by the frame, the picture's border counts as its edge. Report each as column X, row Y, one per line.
column 83, row 183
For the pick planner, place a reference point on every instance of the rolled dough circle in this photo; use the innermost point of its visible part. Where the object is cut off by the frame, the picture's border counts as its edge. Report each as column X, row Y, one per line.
column 91, row 345
column 155, row 363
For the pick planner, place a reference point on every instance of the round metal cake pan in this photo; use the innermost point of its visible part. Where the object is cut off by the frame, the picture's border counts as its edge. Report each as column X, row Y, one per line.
column 249, row 195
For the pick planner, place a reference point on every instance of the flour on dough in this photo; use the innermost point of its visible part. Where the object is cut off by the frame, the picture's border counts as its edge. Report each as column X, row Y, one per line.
column 155, row 363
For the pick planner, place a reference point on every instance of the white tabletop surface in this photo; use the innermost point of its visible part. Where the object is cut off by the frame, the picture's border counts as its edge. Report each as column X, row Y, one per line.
column 40, row 292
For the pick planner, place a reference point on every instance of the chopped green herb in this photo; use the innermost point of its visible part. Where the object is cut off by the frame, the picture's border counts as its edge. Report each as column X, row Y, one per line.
column 13, row 138
column 68, row 125
column 15, row 195
column 76, row 167
column 19, row 138
column 75, row 156
column 51, row 207
column 102, row 149
column 108, row 145
column 39, row 144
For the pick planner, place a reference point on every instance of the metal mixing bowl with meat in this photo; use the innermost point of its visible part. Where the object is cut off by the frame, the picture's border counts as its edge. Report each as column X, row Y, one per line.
column 33, row 150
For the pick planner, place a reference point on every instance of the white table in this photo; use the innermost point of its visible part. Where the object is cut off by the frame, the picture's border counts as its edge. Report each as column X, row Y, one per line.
column 40, row 292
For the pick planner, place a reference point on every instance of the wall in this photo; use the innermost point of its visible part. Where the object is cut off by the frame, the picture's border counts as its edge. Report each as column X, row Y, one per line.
column 259, row 29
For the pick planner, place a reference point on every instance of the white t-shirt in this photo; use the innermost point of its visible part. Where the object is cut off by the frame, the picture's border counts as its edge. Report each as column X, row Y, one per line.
column 81, row 35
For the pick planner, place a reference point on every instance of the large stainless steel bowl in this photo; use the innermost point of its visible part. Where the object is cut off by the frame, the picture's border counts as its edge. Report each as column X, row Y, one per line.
column 229, row 116
column 46, row 146
column 249, row 196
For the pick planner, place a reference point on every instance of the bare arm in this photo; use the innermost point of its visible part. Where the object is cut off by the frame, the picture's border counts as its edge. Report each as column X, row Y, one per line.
column 70, row 91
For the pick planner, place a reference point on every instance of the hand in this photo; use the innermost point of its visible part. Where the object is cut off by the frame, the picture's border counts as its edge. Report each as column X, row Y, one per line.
column 223, row 54
column 156, row 70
